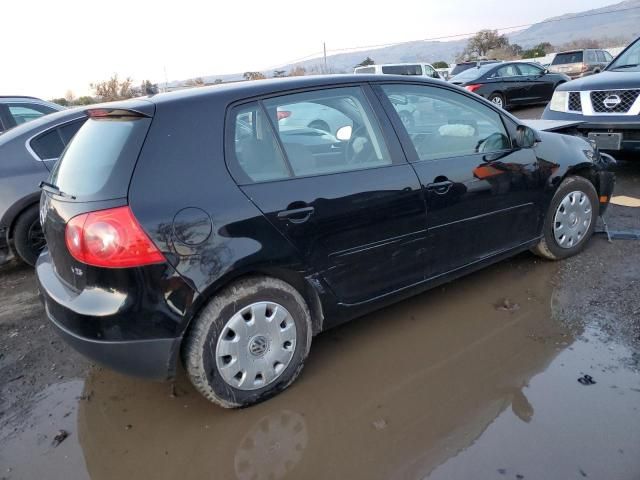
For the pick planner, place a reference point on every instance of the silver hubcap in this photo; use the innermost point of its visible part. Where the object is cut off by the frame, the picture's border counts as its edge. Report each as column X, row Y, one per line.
column 497, row 101
column 572, row 219
column 256, row 345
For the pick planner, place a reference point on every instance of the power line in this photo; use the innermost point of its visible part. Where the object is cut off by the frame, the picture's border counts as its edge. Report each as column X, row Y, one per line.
column 458, row 35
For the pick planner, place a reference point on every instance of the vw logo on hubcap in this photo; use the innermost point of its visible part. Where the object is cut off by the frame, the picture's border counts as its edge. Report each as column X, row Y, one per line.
column 612, row 101
column 258, row 345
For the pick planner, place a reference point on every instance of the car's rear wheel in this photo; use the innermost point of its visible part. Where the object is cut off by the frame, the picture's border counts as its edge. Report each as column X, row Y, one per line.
column 570, row 221
column 28, row 239
column 498, row 100
column 249, row 342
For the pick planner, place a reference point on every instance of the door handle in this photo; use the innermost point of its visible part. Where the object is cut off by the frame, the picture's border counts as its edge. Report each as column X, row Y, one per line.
column 296, row 215
column 440, row 187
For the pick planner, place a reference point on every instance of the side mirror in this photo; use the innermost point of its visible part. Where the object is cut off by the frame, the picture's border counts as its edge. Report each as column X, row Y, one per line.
column 526, row 137
column 344, row 133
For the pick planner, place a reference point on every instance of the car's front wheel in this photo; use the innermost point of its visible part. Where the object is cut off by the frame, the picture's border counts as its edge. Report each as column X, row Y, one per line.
column 249, row 342
column 570, row 221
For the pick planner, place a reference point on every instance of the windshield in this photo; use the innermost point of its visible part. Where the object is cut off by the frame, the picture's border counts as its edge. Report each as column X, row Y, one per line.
column 472, row 73
column 628, row 60
column 567, row 57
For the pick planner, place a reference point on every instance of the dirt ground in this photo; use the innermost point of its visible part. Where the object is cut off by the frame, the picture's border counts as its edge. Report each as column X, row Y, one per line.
column 446, row 385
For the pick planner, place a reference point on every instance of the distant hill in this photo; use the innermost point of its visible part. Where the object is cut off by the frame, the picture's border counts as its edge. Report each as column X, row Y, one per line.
column 596, row 24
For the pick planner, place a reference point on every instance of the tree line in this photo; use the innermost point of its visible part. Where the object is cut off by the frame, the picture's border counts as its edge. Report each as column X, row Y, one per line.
column 484, row 44
column 108, row 91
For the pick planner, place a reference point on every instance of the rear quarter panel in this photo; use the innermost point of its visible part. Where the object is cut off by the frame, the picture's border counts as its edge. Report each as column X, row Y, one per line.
column 20, row 175
column 222, row 235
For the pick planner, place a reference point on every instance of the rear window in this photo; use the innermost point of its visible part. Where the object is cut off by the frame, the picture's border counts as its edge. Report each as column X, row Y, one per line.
column 461, row 67
column 98, row 163
column 569, row 57
column 402, row 69
column 365, row 70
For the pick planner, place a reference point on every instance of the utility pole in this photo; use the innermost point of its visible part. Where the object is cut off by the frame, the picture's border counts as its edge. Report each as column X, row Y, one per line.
column 166, row 79
column 324, row 48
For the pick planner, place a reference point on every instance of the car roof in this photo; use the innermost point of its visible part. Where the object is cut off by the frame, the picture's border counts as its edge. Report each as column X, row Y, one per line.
column 255, row 88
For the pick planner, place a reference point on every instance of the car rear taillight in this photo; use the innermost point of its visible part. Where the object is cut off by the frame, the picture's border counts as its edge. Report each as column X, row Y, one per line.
column 472, row 88
column 283, row 114
column 110, row 238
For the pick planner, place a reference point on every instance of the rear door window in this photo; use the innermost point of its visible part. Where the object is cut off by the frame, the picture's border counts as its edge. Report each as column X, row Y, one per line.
column 99, row 161
column 354, row 140
column 273, row 140
column 508, row 71
column 257, row 154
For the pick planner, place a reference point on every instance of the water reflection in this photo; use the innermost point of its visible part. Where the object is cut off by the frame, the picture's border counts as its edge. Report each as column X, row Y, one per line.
column 392, row 395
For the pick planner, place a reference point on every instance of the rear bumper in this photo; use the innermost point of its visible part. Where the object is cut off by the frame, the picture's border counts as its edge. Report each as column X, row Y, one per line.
column 129, row 331
column 153, row 359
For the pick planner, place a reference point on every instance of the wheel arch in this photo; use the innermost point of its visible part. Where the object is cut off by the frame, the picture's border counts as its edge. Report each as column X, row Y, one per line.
column 18, row 208
column 307, row 286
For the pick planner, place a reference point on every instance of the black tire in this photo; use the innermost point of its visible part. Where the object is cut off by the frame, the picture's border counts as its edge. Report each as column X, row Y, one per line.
column 320, row 125
column 28, row 239
column 495, row 97
column 199, row 346
column 548, row 247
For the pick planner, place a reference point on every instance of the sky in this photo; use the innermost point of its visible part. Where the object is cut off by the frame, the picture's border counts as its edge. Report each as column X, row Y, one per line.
column 52, row 46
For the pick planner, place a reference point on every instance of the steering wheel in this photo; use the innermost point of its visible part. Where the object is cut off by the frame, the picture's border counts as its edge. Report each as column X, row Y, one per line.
column 359, row 147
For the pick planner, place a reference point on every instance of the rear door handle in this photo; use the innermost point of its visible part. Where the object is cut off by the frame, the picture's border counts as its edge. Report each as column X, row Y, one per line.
column 440, row 187
column 296, row 215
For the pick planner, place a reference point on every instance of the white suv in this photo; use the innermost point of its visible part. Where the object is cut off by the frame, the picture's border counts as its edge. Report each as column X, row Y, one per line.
column 417, row 69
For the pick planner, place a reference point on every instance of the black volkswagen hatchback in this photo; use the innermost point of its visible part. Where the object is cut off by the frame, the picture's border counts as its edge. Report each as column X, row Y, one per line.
column 188, row 225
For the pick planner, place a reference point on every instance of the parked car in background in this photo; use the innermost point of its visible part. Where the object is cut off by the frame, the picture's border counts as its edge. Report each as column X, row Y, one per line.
column 16, row 110
column 608, row 104
column 169, row 234
column 461, row 67
column 511, row 84
column 312, row 115
column 27, row 155
column 411, row 69
column 580, row 63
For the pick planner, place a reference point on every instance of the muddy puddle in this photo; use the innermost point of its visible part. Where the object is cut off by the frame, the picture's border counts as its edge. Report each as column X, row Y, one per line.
column 475, row 380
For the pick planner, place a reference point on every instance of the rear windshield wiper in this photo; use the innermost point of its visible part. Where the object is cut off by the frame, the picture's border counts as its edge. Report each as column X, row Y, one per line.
column 630, row 65
column 51, row 188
